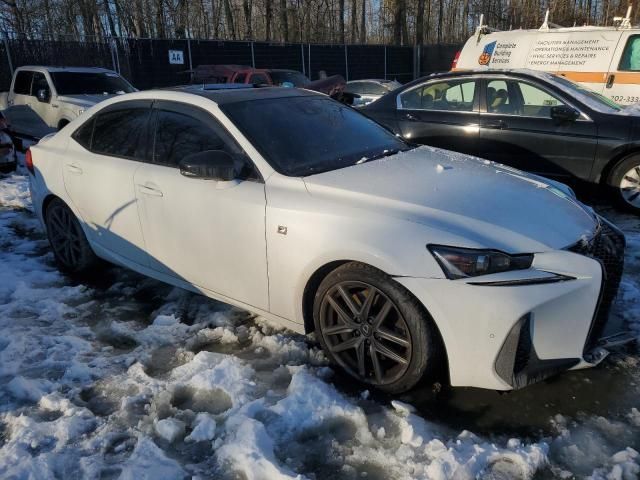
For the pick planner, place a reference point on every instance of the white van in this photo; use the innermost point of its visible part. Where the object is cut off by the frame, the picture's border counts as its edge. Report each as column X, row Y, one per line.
column 604, row 59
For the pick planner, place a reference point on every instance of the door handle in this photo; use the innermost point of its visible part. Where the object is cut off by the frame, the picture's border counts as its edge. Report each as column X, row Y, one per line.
column 411, row 118
column 149, row 190
column 610, row 80
column 498, row 125
column 74, row 168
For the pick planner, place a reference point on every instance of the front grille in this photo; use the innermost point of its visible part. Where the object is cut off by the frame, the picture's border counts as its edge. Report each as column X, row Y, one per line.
column 606, row 246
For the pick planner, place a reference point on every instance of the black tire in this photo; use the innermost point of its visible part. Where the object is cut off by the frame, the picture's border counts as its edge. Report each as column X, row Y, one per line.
column 62, row 124
column 8, row 167
column 382, row 315
column 624, row 182
column 70, row 247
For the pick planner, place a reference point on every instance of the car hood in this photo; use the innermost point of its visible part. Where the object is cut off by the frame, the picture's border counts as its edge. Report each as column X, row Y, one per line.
column 84, row 101
column 480, row 202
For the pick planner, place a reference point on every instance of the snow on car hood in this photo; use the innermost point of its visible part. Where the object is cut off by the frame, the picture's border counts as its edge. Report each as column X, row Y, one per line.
column 488, row 204
column 84, row 101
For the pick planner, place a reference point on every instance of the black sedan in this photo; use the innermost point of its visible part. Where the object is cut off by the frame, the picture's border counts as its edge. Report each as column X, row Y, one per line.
column 533, row 121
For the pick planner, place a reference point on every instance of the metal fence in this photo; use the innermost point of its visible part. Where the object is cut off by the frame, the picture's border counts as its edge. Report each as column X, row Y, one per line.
column 149, row 63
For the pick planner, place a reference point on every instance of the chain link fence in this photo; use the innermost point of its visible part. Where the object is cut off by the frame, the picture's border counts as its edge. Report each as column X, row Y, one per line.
column 149, row 63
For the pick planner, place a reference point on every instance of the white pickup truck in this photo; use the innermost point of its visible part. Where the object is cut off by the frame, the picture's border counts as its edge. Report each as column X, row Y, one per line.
column 59, row 94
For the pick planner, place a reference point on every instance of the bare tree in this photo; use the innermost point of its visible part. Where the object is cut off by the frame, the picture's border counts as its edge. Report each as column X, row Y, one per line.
column 284, row 22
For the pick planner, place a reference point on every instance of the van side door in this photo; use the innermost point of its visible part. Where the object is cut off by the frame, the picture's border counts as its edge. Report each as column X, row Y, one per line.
column 623, row 79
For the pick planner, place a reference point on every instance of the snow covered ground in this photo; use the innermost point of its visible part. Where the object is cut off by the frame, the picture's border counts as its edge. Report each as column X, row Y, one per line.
column 124, row 377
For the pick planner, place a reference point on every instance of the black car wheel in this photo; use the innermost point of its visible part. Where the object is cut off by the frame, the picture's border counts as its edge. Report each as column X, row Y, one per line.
column 374, row 328
column 625, row 181
column 71, row 249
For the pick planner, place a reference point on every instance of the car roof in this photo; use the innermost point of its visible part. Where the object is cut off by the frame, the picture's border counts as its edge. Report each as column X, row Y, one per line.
column 519, row 72
column 234, row 95
column 41, row 68
column 377, row 80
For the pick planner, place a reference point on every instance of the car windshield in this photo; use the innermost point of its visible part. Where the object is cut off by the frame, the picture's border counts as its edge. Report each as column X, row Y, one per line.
column 298, row 79
column 85, row 83
column 591, row 99
column 302, row 136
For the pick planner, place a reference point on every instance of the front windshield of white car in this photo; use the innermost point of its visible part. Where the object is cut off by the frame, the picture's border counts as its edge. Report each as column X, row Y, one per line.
column 306, row 135
column 90, row 83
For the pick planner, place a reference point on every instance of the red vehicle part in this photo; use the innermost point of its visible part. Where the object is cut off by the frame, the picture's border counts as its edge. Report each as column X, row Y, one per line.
column 333, row 86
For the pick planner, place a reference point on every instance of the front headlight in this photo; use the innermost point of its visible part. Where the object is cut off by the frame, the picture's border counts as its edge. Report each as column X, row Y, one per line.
column 467, row 262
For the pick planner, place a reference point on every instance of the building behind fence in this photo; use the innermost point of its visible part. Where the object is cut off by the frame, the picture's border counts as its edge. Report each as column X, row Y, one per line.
column 149, row 63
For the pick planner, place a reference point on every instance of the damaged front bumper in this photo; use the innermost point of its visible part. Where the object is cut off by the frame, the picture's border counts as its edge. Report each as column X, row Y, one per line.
column 506, row 331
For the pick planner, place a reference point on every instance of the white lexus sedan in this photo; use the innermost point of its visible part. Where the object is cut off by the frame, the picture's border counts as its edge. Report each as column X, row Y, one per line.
column 283, row 202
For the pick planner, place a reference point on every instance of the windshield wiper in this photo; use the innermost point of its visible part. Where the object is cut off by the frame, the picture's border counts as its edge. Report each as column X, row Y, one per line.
column 384, row 153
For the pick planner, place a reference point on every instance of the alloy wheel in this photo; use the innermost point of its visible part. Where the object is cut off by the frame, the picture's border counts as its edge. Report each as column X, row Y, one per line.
column 65, row 235
column 630, row 186
column 365, row 332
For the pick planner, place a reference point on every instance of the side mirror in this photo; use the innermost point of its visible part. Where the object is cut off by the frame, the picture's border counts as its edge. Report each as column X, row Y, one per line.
column 209, row 165
column 562, row 113
column 43, row 95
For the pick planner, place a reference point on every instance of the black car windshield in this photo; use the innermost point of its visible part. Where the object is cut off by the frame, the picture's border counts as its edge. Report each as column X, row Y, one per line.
column 85, row 83
column 302, row 136
column 296, row 78
column 591, row 99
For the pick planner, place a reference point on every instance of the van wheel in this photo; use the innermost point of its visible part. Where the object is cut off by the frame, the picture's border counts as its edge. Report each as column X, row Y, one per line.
column 625, row 182
column 71, row 249
column 374, row 328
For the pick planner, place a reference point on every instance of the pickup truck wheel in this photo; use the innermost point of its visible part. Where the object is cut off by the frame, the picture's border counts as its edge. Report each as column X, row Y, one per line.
column 71, row 249
column 625, row 181
column 374, row 328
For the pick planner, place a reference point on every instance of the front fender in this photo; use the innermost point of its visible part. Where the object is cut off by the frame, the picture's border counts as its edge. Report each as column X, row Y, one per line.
column 304, row 234
column 66, row 114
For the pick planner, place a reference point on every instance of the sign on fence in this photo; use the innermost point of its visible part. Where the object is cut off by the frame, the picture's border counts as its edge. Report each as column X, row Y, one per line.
column 176, row 57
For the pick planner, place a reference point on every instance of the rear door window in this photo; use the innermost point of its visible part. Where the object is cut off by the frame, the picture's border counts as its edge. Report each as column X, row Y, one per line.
column 122, row 133
column 452, row 95
column 22, row 84
column 630, row 60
